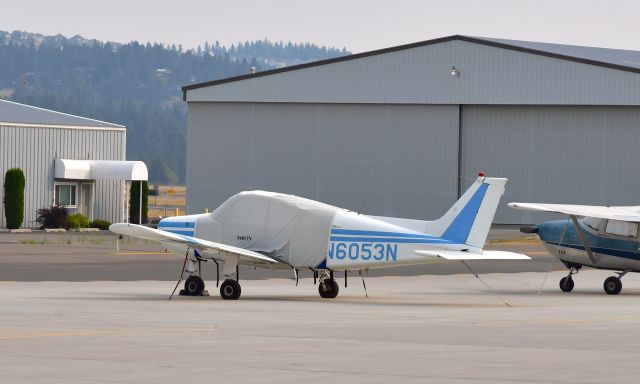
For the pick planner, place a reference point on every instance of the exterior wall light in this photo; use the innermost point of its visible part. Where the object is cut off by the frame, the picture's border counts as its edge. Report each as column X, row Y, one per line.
column 454, row 72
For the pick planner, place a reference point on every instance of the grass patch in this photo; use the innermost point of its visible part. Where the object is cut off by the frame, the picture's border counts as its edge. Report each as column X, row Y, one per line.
column 518, row 240
column 30, row 241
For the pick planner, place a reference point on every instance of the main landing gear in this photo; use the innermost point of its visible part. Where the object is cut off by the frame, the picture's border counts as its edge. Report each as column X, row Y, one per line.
column 194, row 285
column 612, row 285
column 230, row 290
column 328, row 287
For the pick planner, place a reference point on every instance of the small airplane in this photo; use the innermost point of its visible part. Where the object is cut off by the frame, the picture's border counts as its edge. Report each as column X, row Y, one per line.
column 594, row 236
column 278, row 231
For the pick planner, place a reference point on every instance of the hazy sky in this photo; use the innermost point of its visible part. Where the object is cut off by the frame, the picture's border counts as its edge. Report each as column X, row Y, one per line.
column 358, row 25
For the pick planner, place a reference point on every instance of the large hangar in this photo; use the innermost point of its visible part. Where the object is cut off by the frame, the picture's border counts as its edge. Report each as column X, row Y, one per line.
column 403, row 131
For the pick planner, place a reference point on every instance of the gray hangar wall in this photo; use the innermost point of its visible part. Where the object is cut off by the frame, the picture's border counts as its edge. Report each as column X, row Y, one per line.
column 391, row 160
column 34, row 149
column 388, row 132
column 561, row 154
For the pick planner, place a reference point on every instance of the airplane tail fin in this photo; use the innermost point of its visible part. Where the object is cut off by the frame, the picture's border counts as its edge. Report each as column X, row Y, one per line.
column 468, row 221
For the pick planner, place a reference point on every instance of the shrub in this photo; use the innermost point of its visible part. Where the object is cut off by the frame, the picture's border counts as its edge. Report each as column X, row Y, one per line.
column 14, row 197
column 100, row 224
column 78, row 220
column 134, row 202
column 55, row 217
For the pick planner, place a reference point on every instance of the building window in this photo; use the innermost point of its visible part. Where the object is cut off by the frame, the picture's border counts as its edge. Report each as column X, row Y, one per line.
column 66, row 194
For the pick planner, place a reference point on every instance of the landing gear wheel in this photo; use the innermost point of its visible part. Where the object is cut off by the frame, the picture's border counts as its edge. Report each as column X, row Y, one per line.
column 329, row 289
column 566, row 284
column 612, row 285
column 230, row 290
column 194, row 286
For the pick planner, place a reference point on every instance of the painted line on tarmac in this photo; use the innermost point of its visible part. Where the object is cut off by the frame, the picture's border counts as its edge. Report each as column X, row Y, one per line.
column 142, row 253
column 58, row 334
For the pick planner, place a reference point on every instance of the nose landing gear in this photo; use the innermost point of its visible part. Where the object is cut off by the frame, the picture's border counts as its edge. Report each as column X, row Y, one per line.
column 566, row 283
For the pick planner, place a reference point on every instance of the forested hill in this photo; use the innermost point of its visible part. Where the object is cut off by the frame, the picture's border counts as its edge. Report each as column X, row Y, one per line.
column 137, row 85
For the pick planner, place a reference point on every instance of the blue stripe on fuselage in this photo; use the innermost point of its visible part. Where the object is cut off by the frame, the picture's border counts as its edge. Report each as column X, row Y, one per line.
column 348, row 239
column 379, row 233
column 177, row 224
column 633, row 255
column 178, row 232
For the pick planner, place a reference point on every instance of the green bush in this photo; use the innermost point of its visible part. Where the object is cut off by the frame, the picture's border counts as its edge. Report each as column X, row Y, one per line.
column 134, row 202
column 100, row 224
column 55, row 217
column 78, row 220
column 14, row 197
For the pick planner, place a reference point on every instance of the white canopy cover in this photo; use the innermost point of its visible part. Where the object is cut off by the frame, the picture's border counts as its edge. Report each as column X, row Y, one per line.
column 100, row 170
column 277, row 224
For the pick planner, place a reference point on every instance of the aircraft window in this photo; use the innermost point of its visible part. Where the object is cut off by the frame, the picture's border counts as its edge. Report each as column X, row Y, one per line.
column 622, row 228
column 592, row 222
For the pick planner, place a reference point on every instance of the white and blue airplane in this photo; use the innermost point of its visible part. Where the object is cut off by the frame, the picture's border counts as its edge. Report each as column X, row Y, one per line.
column 279, row 231
column 594, row 236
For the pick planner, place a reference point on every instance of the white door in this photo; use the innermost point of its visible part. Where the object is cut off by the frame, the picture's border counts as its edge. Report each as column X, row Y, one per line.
column 86, row 200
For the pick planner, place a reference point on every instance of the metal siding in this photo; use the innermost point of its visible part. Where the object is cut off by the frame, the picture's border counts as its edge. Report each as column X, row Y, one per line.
column 577, row 155
column 489, row 75
column 34, row 149
column 388, row 160
column 11, row 112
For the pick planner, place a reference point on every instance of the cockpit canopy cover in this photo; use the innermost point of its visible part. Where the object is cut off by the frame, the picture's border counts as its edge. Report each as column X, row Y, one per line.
column 277, row 224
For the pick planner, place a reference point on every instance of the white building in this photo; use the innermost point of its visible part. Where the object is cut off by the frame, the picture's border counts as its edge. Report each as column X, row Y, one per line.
column 67, row 160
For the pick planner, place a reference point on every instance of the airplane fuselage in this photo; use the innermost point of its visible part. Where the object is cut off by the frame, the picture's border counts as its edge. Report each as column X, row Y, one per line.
column 351, row 241
column 610, row 252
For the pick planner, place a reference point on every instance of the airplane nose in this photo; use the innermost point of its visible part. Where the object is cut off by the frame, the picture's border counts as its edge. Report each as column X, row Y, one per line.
column 530, row 229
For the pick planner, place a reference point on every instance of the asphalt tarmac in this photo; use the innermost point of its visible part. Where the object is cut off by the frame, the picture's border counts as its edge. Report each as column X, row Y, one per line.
column 411, row 329
column 74, row 310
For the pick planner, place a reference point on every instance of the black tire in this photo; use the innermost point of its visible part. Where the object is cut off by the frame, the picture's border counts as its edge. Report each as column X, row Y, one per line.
column 230, row 290
column 193, row 286
column 566, row 284
column 612, row 285
column 329, row 289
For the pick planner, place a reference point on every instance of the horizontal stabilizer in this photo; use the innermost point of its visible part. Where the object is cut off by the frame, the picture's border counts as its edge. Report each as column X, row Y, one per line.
column 485, row 255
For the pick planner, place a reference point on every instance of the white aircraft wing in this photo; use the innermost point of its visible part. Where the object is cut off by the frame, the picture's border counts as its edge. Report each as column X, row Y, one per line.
column 603, row 212
column 147, row 233
column 484, row 255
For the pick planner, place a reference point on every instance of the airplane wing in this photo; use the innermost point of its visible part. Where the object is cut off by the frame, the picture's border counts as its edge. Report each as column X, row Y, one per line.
column 603, row 212
column 484, row 255
column 147, row 233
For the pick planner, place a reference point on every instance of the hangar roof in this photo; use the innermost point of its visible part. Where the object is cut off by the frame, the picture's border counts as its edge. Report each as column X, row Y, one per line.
column 22, row 114
column 614, row 58
column 624, row 60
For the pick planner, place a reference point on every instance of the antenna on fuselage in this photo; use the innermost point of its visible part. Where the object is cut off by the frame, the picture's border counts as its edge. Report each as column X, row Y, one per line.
column 364, row 200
